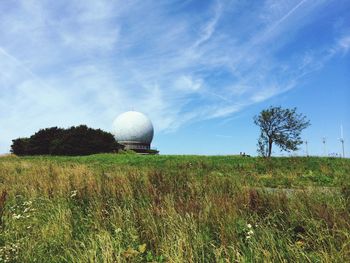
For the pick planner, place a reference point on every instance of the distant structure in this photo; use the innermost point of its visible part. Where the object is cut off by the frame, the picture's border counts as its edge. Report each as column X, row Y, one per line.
column 324, row 146
column 342, row 139
column 135, row 131
column 306, row 148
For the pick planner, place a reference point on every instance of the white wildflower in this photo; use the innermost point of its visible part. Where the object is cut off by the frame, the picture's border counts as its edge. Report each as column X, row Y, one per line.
column 16, row 216
column 27, row 203
column 73, row 193
column 249, row 225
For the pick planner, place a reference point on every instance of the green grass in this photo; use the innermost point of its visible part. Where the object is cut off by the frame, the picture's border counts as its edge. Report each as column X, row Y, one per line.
column 130, row 208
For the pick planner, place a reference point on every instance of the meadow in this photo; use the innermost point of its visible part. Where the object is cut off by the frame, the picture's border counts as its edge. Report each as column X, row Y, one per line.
column 131, row 208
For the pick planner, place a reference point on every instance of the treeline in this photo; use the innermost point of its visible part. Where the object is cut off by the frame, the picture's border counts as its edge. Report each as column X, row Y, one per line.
column 79, row 140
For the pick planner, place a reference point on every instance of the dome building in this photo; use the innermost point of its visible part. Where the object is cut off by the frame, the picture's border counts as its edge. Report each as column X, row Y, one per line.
column 134, row 130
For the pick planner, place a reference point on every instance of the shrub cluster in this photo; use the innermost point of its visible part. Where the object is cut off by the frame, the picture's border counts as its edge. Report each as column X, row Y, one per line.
column 79, row 140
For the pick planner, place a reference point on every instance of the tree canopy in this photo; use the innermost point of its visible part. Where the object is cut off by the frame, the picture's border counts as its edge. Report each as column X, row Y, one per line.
column 280, row 126
column 79, row 140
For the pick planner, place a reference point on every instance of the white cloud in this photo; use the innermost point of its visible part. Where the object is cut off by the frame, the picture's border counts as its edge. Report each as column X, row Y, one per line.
column 209, row 28
column 344, row 43
column 187, row 83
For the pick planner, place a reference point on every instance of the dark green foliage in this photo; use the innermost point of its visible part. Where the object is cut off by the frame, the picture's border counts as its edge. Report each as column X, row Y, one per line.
column 20, row 146
column 79, row 140
column 280, row 126
column 44, row 141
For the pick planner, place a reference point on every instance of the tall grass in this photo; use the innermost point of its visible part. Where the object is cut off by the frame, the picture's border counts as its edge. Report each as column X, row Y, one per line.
column 108, row 208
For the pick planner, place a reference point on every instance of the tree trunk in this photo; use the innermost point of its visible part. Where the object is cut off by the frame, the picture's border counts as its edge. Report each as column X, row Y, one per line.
column 270, row 148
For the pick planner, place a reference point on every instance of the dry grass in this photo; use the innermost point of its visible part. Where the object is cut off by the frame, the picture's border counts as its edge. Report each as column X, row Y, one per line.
column 79, row 212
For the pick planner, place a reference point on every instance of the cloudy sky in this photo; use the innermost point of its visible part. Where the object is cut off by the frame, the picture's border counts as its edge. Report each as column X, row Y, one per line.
column 199, row 69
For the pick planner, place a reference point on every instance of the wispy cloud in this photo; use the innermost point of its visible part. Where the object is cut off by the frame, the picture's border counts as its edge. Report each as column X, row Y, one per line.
column 209, row 28
column 344, row 44
column 70, row 62
column 287, row 15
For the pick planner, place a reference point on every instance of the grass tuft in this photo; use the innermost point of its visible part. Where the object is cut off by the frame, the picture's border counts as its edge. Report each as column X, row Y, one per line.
column 131, row 208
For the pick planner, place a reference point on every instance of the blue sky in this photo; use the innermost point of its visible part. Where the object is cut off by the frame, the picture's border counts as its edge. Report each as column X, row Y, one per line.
column 199, row 69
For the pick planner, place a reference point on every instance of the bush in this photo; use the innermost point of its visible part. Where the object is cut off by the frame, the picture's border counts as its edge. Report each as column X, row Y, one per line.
column 79, row 140
column 20, row 146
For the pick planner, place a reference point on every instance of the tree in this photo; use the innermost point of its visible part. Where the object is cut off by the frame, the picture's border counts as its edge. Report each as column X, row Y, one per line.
column 41, row 142
column 20, row 146
column 82, row 140
column 79, row 140
column 280, row 126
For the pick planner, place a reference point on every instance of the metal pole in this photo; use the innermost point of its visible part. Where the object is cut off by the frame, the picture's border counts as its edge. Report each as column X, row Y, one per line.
column 324, row 146
column 342, row 139
column 342, row 144
column 307, row 150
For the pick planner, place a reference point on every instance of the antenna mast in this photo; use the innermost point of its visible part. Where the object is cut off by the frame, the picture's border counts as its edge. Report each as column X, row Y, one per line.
column 342, row 139
column 324, row 146
column 306, row 148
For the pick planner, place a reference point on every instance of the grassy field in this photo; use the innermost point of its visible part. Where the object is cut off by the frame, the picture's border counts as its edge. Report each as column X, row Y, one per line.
column 129, row 208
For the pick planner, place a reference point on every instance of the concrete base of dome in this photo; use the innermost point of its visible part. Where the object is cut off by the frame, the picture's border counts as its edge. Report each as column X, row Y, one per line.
column 136, row 146
column 141, row 148
column 146, row 152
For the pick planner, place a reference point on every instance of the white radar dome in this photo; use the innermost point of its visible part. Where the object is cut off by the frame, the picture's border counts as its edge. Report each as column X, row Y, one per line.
column 133, row 126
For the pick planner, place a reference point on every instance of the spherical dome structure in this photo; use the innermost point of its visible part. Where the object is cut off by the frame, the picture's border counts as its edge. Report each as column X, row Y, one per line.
column 133, row 127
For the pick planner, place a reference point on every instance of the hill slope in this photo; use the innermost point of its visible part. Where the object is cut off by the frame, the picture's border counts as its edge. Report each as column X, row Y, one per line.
column 130, row 208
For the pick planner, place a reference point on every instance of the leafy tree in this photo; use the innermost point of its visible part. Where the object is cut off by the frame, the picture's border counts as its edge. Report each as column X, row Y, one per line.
column 82, row 140
column 280, row 126
column 20, row 146
column 41, row 142
column 79, row 140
